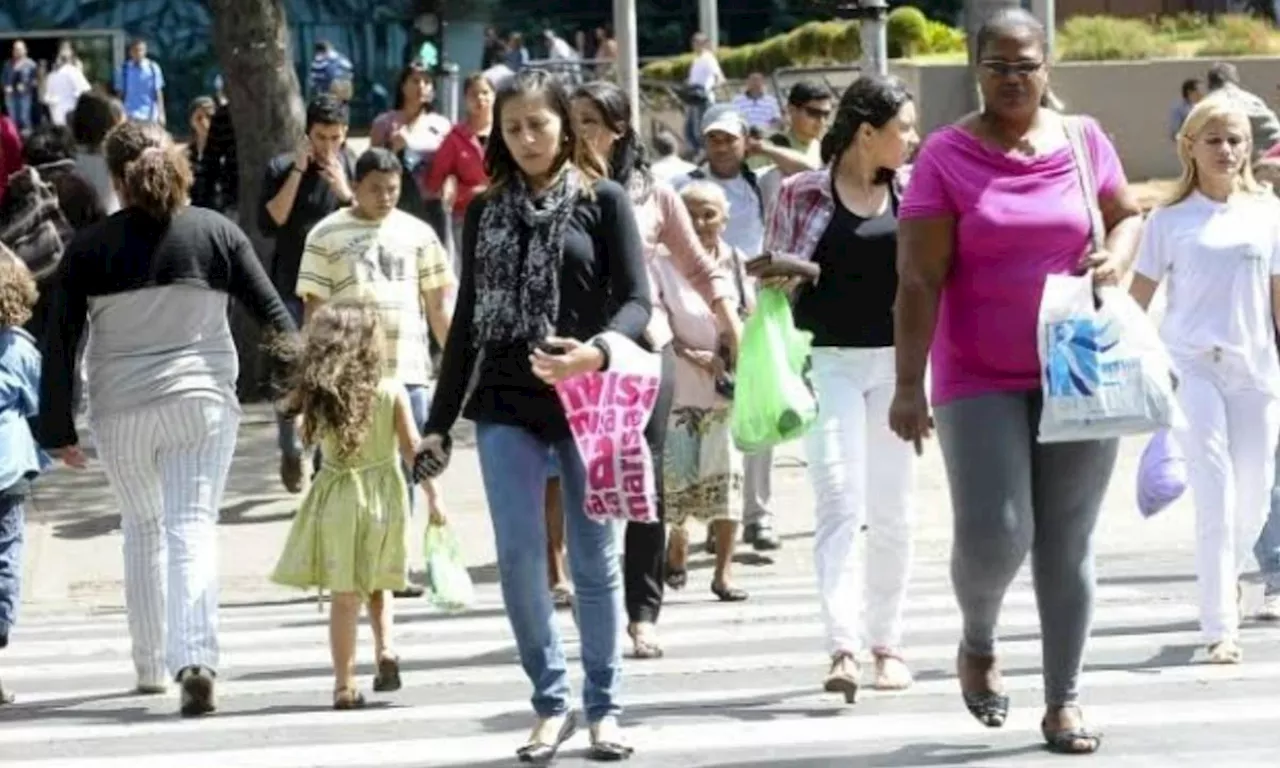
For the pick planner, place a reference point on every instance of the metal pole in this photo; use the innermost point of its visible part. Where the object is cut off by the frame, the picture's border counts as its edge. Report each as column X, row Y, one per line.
column 1045, row 11
column 452, row 97
column 624, row 25
column 709, row 21
column 871, row 15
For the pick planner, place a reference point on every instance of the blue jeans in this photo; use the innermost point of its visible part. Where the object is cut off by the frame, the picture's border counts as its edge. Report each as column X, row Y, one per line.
column 693, row 114
column 1267, row 549
column 513, row 463
column 20, row 105
column 11, row 525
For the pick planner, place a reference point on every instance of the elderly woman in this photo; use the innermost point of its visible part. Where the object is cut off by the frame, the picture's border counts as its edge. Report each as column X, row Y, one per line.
column 994, row 206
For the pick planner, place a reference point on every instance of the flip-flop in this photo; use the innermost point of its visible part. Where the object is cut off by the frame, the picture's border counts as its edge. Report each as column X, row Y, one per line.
column 643, row 647
column 345, row 699
column 541, row 753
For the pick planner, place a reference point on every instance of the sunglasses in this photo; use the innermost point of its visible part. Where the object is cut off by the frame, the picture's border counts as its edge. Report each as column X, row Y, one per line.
column 817, row 113
column 1006, row 68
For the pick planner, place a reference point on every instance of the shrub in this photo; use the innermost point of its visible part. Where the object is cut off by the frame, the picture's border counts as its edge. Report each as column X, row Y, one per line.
column 907, row 30
column 1104, row 38
column 941, row 38
column 1236, row 35
column 815, row 43
column 1183, row 26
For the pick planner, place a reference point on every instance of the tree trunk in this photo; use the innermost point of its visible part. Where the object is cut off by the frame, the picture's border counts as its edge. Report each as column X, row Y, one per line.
column 976, row 12
column 251, row 38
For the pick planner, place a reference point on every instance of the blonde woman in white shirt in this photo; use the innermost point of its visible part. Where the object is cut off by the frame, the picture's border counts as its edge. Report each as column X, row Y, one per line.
column 1217, row 246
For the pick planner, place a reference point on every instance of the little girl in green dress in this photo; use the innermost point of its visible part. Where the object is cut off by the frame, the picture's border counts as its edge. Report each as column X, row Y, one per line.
column 349, row 534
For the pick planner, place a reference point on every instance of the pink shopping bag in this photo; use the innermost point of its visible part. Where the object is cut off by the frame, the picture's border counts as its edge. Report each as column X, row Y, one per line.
column 607, row 413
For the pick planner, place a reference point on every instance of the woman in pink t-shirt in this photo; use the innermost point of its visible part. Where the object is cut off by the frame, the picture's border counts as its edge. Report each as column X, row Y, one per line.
column 993, row 207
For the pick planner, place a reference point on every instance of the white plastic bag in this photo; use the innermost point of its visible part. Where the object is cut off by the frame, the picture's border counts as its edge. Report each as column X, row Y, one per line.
column 1104, row 371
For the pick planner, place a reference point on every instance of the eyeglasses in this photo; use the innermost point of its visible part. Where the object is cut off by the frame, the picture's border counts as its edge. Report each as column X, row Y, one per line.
column 1006, row 68
column 818, row 114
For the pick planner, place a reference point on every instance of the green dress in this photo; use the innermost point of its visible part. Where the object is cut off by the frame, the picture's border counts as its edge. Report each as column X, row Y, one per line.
column 348, row 535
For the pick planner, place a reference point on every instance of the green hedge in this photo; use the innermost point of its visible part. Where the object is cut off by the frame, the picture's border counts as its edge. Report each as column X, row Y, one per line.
column 1238, row 36
column 1105, row 38
column 818, row 43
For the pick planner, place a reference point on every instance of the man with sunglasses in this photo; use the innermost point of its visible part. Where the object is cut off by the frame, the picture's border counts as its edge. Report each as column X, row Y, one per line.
column 809, row 108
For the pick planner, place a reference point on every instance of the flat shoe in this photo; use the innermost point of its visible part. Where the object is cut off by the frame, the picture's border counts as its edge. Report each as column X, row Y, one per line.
column 607, row 750
column 1068, row 740
column 388, row 677
column 345, row 699
column 541, row 753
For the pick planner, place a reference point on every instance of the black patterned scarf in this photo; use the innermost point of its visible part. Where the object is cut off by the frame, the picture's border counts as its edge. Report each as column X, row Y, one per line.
column 518, row 288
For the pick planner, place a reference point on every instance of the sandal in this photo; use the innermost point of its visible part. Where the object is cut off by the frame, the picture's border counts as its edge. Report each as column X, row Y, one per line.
column 540, row 752
column 348, row 698
column 1226, row 652
column 892, row 673
column 5, row 696
column 388, row 677
column 645, row 648
column 606, row 746
column 991, row 708
column 677, row 578
column 1077, row 740
column 728, row 594
column 842, row 678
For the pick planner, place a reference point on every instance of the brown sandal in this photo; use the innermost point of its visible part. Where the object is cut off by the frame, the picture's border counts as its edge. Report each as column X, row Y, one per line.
column 348, row 698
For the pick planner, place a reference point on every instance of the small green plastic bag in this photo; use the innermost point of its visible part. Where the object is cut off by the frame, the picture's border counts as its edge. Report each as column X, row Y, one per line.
column 448, row 582
column 773, row 402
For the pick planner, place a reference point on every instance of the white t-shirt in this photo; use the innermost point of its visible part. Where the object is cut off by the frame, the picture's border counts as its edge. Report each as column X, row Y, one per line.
column 62, row 90
column 705, row 72
column 1218, row 260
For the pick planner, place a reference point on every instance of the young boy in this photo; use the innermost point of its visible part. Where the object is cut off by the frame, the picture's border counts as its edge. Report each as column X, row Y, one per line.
column 19, row 457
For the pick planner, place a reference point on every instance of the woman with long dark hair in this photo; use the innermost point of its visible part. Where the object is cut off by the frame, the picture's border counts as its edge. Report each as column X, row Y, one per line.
column 153, row 282
column 602, row 115
column 414, row 131
column 994, row 206
column 551, row 261
column 845, row 219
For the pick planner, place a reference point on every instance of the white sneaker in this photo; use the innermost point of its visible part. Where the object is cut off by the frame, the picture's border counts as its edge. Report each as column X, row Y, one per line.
column 1270, row 610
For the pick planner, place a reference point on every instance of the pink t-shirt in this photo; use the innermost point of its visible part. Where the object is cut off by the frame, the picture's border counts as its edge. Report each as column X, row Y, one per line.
column 1018, row 220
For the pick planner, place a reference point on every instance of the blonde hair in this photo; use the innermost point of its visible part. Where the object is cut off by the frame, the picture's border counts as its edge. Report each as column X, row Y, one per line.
column 1213, row 107
column 18, row 292
column 705, row 192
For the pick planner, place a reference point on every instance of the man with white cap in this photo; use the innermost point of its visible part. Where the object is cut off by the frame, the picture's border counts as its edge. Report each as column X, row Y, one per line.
column 724, row 134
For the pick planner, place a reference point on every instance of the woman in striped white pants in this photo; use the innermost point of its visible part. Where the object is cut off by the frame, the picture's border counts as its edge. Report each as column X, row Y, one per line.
column 155, row 279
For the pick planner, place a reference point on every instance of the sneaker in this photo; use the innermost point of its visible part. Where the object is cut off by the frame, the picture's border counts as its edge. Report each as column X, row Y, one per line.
column 197, row 691
column 1270, row 610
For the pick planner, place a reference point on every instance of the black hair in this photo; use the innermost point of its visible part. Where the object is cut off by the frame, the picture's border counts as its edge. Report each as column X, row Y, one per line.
column 1190, row 86
column 628, row 156
column 48, row 143
column 807, row 91
column 1008, row 22
column 323, row 46
column 377, row 160
column 665, row 143
column 1222, row 74
column 500, row 165
column 94, row 116
column 872, row 100
column 326, row 109
column 412, row 70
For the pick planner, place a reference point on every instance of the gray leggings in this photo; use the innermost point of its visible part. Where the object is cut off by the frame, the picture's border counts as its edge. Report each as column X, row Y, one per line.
column 1012, row 495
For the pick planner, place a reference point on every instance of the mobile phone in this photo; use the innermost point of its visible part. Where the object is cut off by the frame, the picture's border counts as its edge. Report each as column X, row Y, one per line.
column 547, row 348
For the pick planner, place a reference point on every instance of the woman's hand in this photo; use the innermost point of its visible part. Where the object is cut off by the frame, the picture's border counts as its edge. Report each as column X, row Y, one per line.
column 430, row 458
column 909, row 415
column 572, row 359
column 72, row 456
column 1108, row 269
column 787, row 285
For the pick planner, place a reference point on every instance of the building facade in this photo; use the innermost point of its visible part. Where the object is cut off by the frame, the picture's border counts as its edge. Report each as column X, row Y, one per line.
column 375, row 35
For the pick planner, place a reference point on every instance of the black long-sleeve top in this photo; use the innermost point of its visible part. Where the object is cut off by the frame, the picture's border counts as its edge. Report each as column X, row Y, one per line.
column 604, row 286
column 157, row 293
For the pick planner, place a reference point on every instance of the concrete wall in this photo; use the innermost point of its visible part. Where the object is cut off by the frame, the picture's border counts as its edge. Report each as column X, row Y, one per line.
column 1132, row 100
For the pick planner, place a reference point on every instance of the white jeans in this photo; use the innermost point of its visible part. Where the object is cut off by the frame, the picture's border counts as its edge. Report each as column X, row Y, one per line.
column 1230, row 443
column 862, row 474
column 167, row 465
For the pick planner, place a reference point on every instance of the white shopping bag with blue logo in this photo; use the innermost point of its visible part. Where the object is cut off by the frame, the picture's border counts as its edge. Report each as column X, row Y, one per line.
column 1104, row 371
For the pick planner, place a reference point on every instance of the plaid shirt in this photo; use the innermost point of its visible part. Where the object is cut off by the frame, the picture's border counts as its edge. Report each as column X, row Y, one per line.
column 803, row 210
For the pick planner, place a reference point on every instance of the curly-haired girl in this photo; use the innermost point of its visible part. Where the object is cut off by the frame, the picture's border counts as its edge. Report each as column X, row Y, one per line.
column 19, row 457
column 348, row 536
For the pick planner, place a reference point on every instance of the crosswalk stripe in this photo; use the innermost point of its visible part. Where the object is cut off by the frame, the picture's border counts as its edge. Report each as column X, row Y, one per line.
column 666, row 739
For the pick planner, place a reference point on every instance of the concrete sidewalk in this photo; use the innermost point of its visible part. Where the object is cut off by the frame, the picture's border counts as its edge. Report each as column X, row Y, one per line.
column 73, row 559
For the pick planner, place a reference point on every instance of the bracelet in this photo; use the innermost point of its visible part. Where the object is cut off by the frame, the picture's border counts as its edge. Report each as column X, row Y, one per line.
column 604, row 352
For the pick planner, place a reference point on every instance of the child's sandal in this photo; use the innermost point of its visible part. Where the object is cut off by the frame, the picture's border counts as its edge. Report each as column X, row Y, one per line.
column 388, row 677
column 348, row 698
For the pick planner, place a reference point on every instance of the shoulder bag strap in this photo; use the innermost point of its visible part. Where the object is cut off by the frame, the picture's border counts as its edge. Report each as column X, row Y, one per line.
column 1088, row 185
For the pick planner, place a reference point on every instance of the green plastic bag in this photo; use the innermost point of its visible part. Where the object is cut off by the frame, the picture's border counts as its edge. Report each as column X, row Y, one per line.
column 773, row 402
column 448, row 582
